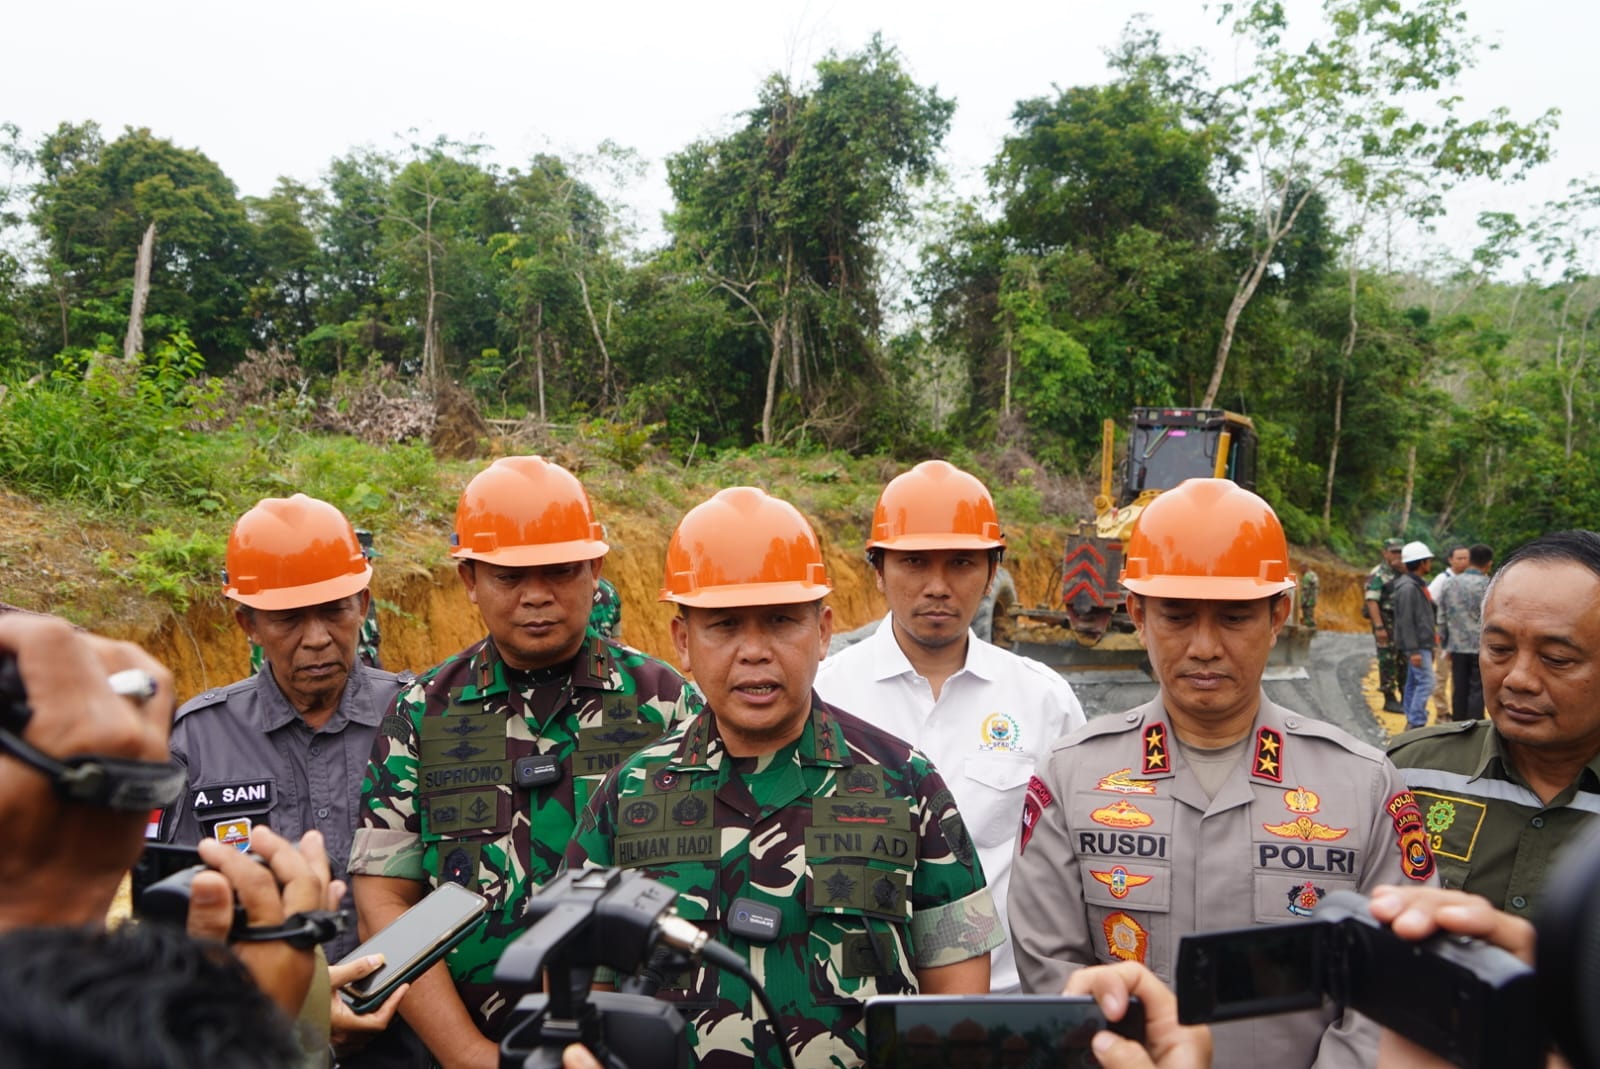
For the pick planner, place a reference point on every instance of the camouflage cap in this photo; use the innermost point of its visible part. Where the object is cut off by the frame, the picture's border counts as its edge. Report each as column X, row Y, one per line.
column 1393, row 544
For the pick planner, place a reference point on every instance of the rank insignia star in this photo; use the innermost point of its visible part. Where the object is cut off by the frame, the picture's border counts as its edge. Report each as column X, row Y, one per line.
column 1156, row 758
column 1269, row 756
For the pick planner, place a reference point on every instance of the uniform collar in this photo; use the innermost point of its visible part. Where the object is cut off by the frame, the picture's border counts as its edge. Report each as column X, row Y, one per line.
column 1271, row 752
column 276, row 711
column 594, row 667
column 889, row 660
column 821, row 742
column 1495, row 763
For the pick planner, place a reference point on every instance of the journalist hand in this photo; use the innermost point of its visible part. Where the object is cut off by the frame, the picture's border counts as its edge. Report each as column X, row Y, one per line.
column 1418, row 912
column 1167, row 1045
column 60, row 862
column 292, row 881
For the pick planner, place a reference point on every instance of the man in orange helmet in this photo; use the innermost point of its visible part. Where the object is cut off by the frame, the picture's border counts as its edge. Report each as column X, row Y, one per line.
column 286, row 747
column 1210, row 806
column 479, row 774
column 984, row 715
column 824, row 851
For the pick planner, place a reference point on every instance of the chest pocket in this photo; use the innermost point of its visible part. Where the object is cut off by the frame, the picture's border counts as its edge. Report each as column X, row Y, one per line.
column 230, row 811
column 861, row 851
column 992, row 805
column 464, row 779
column 1125, row 850
column 1299, row 860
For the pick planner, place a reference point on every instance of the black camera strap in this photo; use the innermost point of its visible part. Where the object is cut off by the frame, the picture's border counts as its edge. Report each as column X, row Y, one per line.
column 107, row 782
column 300, row 930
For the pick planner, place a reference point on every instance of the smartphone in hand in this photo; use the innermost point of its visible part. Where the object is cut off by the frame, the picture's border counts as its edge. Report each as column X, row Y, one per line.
column 414, row 941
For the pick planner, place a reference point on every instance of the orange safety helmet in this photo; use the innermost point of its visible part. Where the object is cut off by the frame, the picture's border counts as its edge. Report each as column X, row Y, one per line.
column 744, row 547
column 290, row 552
column 935, row 505
column 1209, row 539
column 523, row 512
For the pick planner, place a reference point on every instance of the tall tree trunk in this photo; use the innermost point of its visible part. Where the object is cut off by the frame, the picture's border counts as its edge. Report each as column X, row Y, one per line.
column 599, row 339
column 1347, row 350
column 1411, row 485
column 780, row 334
column 430, row 353
column 1005, row 396
column 538, row 354
column 133, row 341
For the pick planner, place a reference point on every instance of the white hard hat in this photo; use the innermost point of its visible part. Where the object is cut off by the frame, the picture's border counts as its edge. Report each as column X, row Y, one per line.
column 1415, row 551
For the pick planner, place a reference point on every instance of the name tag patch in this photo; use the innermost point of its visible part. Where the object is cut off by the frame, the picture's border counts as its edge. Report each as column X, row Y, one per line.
column 229, row 795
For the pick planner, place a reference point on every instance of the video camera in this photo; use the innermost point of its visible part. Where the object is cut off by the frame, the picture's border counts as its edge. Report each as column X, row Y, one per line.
column 1470, row 1003
column 579, row 921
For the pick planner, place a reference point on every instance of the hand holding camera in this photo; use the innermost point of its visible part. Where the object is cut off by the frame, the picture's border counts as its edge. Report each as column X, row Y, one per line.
column 1167, row 1044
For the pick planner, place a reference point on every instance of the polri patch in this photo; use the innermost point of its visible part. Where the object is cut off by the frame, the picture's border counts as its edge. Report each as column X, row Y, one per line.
column 1416, row 859
column 1034, row 804
column 255, row 793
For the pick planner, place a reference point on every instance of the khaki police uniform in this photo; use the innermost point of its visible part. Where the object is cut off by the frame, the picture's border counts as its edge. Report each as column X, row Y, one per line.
column 1491, row 834
column 1121, row 853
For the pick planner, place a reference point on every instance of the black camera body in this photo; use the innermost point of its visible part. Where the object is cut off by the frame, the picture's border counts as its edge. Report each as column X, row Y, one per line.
column 1471, row 1003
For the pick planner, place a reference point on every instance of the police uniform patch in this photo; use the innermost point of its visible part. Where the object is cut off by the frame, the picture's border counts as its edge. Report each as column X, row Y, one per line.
column 1305, row 829
column 1122, row 782
column 1126, row 938
column 1119, row 881
column 1269, row 756
column 234, row 833
column 1122, row 814
column 1416, row 859
column 1156, row 757
column 1303, row 899
column 1301, row 800
column 1034, row 804
column 1452, row 822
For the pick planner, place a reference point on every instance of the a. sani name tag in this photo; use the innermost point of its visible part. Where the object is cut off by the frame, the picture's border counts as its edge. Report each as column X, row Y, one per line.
column 229, row 795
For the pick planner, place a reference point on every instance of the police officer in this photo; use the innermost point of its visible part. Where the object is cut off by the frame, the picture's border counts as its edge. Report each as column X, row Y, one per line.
column 984, row 715
column 484, row 763
column 1500, row 797
column 286, row 747
column 1378, row 603
column 824, row 850
column 1210, row 806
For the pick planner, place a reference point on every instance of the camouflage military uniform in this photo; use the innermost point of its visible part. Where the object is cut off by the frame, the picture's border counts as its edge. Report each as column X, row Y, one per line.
column 605, row 619
column 442, row 799
column 1380, row 588
column 848, row 833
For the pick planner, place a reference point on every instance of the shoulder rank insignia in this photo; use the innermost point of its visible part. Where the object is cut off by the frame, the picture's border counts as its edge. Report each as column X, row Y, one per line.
column 1269, row 756
column 1122, row 782
column 1156, row 758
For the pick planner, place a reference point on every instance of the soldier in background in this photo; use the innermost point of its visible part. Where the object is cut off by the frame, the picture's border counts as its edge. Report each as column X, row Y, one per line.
column 1379, row 606
column 483, row 765
column 826, row 852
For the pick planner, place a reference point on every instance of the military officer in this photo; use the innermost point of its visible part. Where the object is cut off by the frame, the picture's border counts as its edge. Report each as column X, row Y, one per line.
column 984, row 715
column 1501, row 796
column 480, row 770
column 1210, row 806
column 825, row 851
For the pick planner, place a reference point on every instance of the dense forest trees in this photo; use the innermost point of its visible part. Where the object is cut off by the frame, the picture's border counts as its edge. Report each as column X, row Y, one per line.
column 1157, row 237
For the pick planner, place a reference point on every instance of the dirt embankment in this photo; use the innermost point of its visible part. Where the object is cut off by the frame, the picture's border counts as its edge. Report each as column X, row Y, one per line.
column 425, row 616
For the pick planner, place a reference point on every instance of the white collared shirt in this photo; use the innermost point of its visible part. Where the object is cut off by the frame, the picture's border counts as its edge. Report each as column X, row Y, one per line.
column 994, row 720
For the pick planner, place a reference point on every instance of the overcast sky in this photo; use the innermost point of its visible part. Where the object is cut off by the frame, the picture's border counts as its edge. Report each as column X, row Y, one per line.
column 281, row 88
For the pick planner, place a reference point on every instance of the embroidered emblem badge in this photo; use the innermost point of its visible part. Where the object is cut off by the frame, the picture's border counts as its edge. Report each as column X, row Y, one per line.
column 1122, row 782
column 1122, row 814
column 1126, row 939
column 1119, row 881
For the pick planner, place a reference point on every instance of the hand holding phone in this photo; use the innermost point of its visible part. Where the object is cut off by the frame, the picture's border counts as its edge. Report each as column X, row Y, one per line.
column 414, row 941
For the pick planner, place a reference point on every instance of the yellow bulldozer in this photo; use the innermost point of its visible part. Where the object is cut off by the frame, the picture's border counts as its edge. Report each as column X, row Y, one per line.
column 1165, row 447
